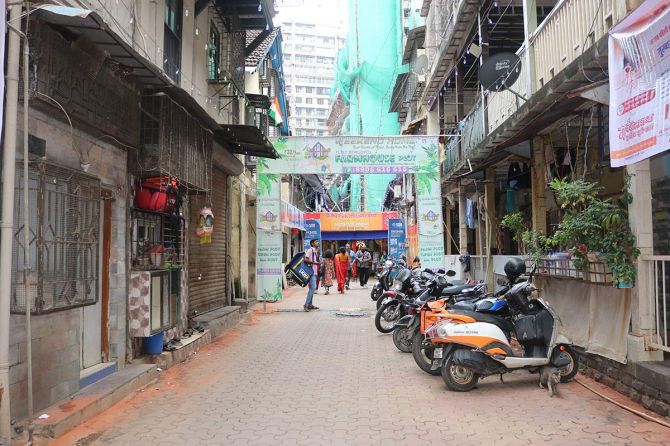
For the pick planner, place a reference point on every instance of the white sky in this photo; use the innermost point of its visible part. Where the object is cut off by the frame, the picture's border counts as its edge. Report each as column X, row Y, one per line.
column 330, row 12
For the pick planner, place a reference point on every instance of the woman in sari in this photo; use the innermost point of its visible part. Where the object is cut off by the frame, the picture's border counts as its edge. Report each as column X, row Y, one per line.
column 329, row 270
column 341, row 267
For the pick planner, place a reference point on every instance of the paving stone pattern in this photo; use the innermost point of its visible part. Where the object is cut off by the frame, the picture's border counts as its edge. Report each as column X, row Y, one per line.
column 294, row 378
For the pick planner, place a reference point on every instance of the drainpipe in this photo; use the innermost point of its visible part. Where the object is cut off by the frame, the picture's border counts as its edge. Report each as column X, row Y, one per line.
column 7, row 222
column 26, row 227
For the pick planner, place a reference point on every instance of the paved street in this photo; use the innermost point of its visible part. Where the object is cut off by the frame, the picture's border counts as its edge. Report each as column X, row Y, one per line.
column 309, row 379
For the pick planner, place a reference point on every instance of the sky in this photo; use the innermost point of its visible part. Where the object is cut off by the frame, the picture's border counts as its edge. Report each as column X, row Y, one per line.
column 333, row 12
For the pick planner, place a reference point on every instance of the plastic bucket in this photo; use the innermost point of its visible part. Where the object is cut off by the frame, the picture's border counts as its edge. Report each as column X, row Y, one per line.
column 153, row 345
column 298, row 270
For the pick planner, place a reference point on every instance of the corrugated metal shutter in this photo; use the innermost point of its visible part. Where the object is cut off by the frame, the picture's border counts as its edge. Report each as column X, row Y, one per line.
column 208, row 263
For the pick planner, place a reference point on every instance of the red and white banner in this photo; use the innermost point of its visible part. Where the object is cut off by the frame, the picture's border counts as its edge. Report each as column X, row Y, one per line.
column 639, row 75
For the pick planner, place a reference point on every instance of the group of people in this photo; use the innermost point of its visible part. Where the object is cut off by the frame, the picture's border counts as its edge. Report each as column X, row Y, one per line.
column 338, row 267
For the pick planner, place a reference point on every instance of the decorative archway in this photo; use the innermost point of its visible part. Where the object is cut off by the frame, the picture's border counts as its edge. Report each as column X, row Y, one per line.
column 348, row 155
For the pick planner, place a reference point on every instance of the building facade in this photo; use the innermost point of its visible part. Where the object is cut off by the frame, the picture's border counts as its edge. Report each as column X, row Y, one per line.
column 310, row 50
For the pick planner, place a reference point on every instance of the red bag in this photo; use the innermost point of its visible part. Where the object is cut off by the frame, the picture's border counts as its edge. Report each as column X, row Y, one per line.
column 164, row 195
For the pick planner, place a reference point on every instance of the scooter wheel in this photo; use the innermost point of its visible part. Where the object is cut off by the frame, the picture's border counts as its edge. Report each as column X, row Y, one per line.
column 386, row 319
column 402, row 339
column 458, row 378
column 573, row 367
column 422, row 351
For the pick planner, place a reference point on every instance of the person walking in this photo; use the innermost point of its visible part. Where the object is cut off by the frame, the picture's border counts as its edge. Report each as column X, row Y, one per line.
column 312, row 259
column 352, row 264
column 364, row 260
column 342, row 268
column 328, row 270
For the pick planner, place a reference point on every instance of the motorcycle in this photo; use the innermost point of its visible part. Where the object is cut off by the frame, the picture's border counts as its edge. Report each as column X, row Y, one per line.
column 467, row 349
column 384, row 280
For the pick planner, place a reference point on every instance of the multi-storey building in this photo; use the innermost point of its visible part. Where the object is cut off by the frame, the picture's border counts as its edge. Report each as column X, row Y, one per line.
column 310, row 50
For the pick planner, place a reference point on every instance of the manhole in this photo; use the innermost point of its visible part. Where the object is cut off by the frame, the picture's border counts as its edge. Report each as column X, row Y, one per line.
column 350, row 312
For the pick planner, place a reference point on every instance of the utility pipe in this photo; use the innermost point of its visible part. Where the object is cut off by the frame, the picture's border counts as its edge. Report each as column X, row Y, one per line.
column 26, row 227
column 7, row 218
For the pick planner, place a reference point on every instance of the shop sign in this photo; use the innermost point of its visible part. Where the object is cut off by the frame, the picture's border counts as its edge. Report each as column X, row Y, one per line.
column 639, row 76
column 353, row 221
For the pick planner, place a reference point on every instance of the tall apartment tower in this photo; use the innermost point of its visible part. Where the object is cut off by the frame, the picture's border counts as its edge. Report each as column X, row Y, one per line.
column 312, row 37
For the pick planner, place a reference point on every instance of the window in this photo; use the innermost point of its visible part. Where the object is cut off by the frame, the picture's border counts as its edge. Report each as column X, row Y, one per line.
column 309, row 90
column 321, row 101
column 298, row 100
column 172, row 39
column 320, row 133
column 65, row 239
column 308, row 100
column 214, row 52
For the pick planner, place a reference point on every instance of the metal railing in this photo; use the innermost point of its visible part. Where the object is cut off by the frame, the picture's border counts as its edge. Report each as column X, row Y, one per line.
column 501, row 105
column 659, row 276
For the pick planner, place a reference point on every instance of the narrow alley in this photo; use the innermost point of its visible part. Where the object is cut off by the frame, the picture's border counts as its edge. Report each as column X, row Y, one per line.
column 328, row 377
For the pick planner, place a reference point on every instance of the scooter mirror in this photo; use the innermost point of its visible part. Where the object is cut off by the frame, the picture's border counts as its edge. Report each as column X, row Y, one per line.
column 501, row 281
column 451, row 273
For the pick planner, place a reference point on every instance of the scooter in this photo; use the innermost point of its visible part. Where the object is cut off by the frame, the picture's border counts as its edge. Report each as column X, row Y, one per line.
column 467, row 349
column 384, row 280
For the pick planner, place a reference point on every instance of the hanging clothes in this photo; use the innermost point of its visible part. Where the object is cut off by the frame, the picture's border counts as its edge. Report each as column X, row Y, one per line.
column 469, row 214
column 510, row 202
column 513, row 174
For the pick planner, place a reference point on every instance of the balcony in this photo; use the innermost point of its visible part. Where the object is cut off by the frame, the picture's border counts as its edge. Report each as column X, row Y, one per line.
column 562, row 60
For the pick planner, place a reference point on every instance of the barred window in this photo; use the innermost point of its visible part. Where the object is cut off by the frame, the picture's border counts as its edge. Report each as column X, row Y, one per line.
column 64, row 210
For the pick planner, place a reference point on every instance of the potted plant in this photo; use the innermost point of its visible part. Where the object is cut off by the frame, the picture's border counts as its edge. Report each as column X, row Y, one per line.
column 593, row 225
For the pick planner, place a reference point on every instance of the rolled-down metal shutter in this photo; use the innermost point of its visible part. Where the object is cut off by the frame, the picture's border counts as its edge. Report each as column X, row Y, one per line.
column 208, row 263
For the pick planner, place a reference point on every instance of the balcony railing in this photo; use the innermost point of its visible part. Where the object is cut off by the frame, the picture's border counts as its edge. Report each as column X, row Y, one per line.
column 659, row 299
column 572, row 27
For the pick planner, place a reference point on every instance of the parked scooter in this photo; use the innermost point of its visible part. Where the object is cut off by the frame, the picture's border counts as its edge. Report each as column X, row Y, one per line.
column 467, row 349
column 384, row 280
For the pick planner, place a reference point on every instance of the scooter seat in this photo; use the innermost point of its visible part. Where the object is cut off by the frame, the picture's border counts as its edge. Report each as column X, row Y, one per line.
column 469, row 305
column 501, row 322
column 456, row 289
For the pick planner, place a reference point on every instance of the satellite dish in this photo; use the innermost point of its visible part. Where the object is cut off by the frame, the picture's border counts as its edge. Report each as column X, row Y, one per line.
column 500, row 71
column 420, row 67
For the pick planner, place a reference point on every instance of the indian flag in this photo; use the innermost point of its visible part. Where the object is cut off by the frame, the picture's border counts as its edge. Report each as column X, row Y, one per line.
column 275, row 113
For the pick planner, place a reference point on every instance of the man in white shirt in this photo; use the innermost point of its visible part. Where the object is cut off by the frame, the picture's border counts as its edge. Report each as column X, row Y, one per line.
column 313, row 259
column 364, row 260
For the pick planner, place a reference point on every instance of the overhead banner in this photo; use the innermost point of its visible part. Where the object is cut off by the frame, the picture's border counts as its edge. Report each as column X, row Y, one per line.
column 312, row 231
column 353, row 154
column 639, row 76
column 397, row 239
column 416, row 155
column 352, row 221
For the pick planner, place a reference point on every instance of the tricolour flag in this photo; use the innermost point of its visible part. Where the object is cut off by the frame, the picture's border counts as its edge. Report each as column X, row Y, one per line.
column 275, row 113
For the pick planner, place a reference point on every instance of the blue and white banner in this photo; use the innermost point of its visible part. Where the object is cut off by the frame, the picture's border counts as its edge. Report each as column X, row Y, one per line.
column 312, row 231
column 397, row 238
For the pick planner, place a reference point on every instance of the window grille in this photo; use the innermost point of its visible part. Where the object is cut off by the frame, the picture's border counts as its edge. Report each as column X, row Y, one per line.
column 151, row 230
column 214, row 52
column 172, row 39
column 64, row 209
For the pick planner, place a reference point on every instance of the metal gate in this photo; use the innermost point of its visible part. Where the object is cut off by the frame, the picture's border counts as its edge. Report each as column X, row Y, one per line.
column 208, row 263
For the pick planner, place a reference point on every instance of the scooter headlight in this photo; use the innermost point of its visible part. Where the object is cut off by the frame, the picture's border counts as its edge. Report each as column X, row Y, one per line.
column 388, row 264
column 397, row 284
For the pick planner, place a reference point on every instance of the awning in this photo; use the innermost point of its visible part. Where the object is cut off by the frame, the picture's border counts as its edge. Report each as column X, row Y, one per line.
column 247, row 140
column 240, row 139
column 258, row 100
column 398, row 93
column 411, row 128
column 415, row 36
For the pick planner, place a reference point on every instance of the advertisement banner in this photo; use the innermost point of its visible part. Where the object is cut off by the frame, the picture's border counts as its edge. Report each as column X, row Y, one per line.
column 269, row 238
column 353, row 221
column 353, row 155
column 312, row 231
column 639, row 76
column 397, row 240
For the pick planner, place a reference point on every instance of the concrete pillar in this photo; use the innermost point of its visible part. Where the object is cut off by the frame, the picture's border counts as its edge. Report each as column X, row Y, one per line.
column 539, row 183
column 462, row 226
column 433, row 121
column 450, row 236
column 642, row 305
column 529, row 27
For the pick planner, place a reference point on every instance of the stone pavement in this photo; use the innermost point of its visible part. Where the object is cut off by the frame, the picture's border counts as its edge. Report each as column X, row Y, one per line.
column 295, row 378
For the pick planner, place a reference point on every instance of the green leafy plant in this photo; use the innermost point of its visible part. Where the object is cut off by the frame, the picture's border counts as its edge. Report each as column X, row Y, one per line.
column 531, row 243
column 592, row 224
column 516, row 224
column 264, row 183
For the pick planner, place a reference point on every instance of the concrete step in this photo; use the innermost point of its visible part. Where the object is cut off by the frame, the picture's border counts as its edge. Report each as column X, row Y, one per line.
column 96, row 373
column 220, row 320
column 93, row 399
column 165, row 360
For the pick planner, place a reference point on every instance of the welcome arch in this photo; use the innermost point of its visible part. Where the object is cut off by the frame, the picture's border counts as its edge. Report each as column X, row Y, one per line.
column 345, row 155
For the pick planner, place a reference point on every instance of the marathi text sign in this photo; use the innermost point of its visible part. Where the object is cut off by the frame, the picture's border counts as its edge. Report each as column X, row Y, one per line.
column 639, row 75
column 269, row 238
column 352, row 221
column 397, row 240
